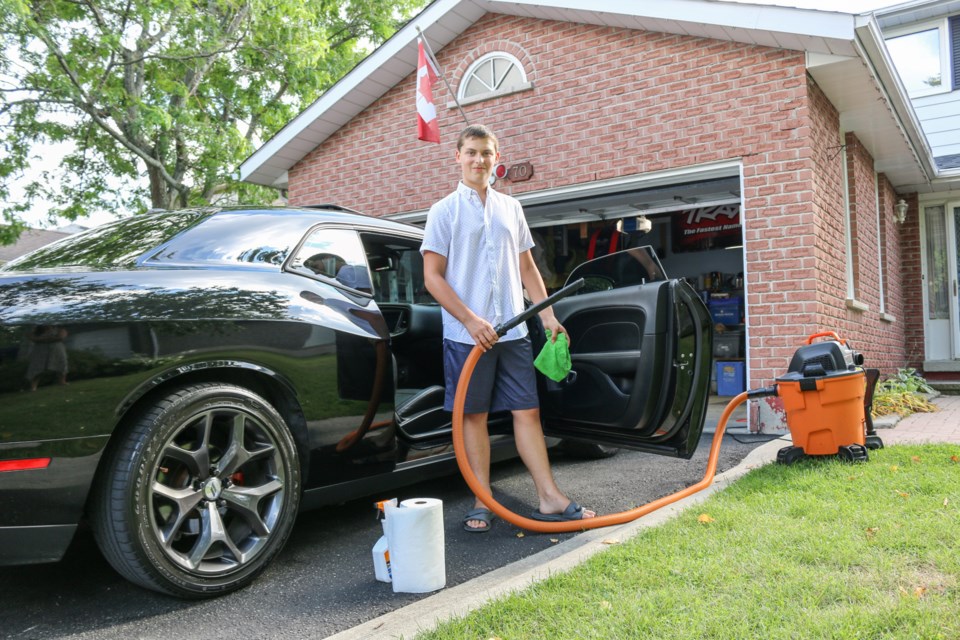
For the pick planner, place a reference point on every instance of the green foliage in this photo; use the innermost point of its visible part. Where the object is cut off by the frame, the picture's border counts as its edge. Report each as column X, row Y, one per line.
column 159, row 101
column 905, row 381
column 900, row 393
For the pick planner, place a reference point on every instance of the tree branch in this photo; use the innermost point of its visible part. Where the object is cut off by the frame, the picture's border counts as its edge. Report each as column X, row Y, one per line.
column 16, row 103
column 254, row 125
column 98, row 17
column 140, row 153
column 229, row 30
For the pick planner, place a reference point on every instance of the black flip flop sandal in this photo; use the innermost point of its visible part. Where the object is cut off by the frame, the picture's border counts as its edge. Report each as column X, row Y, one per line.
column 483, row 515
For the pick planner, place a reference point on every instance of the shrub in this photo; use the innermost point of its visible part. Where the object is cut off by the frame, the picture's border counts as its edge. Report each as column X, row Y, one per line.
column 902, row 393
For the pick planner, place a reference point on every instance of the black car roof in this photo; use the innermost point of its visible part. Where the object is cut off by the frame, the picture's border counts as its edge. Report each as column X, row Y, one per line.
column 224, row 237
column 329, row 213
column 123, row 250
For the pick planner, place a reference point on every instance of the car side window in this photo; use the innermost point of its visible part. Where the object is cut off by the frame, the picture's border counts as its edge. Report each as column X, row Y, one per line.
column 628, row 268
column 396, row 267
column 335, row 254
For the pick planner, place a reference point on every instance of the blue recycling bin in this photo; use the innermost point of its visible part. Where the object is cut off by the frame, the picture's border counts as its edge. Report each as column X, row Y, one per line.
column 731, row 379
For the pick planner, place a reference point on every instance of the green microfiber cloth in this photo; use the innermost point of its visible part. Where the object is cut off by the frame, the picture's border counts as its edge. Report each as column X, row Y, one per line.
column 554, row 358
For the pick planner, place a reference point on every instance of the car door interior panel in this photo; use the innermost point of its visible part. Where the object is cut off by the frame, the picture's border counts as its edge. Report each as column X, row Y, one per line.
column 416, row 340
column 638, row 349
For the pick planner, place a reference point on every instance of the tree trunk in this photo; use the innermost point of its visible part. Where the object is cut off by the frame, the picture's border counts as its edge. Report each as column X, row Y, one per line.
column 159, row 194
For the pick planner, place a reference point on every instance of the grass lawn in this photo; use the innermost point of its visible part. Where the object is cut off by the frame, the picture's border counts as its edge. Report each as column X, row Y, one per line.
column 819, row 549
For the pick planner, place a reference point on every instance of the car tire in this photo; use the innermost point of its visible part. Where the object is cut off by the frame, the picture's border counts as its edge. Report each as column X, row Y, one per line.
column 200, row 493
column 588, row 450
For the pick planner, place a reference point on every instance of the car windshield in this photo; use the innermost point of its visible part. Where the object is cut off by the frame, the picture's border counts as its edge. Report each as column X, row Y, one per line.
column 251, row 238
column 116, row 244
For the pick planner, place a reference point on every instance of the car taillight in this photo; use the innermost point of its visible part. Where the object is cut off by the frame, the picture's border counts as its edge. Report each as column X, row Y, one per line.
column 25, row 464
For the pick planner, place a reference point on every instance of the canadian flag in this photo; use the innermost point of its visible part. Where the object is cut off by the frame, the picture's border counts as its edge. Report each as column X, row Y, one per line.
column 427, row 127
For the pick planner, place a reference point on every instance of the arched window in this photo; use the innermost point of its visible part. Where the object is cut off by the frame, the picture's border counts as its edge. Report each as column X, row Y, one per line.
column 492, row 74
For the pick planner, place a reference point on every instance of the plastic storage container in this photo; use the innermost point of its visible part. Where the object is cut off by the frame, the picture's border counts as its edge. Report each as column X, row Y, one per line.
column 730, row 378
column 728, row 344
column 726, row 310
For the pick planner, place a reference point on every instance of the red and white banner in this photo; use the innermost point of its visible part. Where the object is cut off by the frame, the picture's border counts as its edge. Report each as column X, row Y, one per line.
column 427, row 127
column 707, row 228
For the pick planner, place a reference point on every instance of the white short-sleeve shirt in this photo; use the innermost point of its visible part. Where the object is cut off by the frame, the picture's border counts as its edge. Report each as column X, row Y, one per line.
column 482, row 245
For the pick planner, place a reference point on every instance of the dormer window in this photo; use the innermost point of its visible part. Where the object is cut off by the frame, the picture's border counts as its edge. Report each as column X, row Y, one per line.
column 491, row 75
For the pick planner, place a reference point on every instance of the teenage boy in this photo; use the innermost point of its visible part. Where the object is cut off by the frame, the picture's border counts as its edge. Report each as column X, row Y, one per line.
column 477, row 262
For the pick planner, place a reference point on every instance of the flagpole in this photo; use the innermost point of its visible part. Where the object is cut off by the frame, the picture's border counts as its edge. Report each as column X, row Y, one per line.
column 433, row 58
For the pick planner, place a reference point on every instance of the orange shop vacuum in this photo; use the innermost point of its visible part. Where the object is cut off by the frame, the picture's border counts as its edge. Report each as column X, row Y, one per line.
column 827, row 396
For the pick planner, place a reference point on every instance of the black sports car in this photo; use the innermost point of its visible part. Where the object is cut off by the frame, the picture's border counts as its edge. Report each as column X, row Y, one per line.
column 185, row 381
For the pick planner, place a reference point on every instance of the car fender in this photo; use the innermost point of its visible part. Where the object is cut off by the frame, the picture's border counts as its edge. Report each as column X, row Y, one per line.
column 188, row 372
column 276, row 388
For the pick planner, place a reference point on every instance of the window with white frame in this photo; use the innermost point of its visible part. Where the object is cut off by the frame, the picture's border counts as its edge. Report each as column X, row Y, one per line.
column 492, row 74
column 938, row 276
column 921, row 54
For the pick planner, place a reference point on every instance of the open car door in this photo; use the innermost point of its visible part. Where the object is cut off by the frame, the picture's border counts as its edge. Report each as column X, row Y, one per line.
column 641, row 348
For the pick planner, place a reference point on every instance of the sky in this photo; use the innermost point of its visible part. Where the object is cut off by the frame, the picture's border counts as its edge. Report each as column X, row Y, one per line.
column 37, row 217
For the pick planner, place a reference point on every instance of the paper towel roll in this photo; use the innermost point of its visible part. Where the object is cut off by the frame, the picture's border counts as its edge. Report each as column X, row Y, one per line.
column 415, row 536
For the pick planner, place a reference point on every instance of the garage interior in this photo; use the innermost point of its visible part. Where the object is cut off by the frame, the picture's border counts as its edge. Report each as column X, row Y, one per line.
column 695, row 230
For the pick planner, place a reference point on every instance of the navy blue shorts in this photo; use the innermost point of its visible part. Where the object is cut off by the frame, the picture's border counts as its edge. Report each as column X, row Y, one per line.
column 503, row 380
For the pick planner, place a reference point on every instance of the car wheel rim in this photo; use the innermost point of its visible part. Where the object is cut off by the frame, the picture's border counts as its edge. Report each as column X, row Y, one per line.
column 216, row 492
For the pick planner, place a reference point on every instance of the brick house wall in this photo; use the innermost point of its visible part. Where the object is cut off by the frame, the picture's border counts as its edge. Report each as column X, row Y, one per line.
column 611, row 102
column 830, row 280
column 896, row 351
column 881, row 343
column 912, row 282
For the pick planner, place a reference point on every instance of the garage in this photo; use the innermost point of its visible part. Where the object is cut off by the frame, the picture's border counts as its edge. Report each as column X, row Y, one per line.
column 692, row 220
column 695, row 230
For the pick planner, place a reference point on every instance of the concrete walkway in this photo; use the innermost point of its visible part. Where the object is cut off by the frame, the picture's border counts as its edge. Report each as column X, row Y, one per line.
column 939, row 426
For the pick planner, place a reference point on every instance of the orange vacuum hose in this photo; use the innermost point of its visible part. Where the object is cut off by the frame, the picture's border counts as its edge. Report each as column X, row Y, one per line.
column 530, row 524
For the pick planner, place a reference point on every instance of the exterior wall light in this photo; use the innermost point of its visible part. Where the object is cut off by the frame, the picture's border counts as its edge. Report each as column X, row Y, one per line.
column 900, row 211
